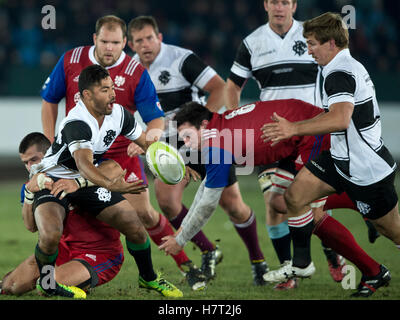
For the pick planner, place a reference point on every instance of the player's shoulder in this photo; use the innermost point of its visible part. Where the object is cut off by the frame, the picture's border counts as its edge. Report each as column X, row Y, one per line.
column 343, row 63
column 131, row 66
column 75, row 55
column 257, row 34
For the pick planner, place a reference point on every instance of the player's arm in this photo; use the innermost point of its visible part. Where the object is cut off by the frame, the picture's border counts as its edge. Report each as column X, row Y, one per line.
column 49, row 119
column 201, row 210
column 52, row 92
column 215, row 87
column 199, row 74
column 237, row 79
column 232, row 94
column 84, row 162
column 205, row 202
column 340, row 88
column 150, row 110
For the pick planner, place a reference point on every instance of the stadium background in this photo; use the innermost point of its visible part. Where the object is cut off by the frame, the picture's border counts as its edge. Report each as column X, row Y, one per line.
column 211, row 28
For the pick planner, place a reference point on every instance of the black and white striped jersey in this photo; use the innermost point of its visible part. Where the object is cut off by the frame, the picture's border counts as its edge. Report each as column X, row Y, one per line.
column 358, row 152
column 179, row 77
column 282, row 67
column 80, row 130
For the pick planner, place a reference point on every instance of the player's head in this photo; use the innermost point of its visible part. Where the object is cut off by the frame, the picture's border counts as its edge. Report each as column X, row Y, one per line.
column 109, row 39
column 32, row 149
column 144, row 38
column 280, row 13
column 326, row 35
column 190, row 120
column 97, row 90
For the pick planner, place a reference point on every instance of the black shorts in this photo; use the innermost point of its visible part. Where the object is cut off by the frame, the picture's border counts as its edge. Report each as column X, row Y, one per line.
column 372, row 201
column 284, row 164
column 91, row 199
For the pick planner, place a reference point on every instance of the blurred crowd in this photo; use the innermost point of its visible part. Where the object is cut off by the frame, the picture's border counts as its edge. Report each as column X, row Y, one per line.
column 211, row 28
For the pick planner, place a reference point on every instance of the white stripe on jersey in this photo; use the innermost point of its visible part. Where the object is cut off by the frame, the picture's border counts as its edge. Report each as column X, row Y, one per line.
column 130, row 69
column 76, row 54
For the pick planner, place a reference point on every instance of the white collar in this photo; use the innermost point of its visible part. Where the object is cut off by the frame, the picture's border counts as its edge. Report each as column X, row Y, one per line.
column 94, row 61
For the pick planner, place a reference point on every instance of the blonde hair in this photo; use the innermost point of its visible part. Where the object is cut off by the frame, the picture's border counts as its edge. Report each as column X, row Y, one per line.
column 326, row 27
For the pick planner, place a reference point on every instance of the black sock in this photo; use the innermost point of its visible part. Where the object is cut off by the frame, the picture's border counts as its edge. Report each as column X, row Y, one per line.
column 142, row 255
column 301, row 229
column 282, row 247
column 46, row 265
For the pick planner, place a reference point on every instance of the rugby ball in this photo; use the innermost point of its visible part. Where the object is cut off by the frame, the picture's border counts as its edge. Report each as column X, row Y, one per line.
column 165, row 162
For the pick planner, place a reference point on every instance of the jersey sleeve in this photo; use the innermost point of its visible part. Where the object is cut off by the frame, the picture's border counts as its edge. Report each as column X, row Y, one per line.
column 340, row 87
column 241, row 68
column 23, row 193
column 219, row 162
column 130, row 127
column 77, row 135
column 146, row 99
column 195, row 71
column 54, row 89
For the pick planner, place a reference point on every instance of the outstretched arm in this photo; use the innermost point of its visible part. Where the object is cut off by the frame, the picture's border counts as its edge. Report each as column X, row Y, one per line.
column 337, row 119
column 203, row 206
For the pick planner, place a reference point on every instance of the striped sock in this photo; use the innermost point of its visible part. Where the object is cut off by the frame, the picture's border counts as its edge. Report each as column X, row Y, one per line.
column 301, row 229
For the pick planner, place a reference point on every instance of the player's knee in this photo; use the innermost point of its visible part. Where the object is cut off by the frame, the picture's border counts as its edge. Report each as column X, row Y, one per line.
column 170, row 208
column 276, row 204
column 49, row 239
column 292, row 200
column 149, row 218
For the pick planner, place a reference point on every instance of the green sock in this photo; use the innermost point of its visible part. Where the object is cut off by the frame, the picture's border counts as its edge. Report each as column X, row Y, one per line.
column 142, row 255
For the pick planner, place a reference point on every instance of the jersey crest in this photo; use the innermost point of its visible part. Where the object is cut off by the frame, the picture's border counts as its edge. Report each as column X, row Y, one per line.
column 299, row 47
column 110, row 136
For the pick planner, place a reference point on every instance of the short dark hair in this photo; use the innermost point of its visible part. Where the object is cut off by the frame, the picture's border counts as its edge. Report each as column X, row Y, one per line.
column 327, row 26
column 34, row 138
column 140, row 22
column 192, row 112
column 91, row 76
column 110, row 22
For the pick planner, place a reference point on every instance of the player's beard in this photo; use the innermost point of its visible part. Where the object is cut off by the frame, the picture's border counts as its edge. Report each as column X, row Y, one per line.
column 102, row 61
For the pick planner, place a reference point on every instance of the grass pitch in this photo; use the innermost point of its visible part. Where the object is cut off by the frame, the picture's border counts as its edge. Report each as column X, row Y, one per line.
column 234, row 279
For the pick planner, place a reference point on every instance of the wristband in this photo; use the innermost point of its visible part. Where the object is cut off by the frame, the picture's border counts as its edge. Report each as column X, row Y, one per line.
column 28, row 199
column 83, row 183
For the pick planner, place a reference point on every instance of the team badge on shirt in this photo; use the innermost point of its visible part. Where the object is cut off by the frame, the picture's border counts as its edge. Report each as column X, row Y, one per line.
column 110, row 136
column 299, row 47
column 164, row 77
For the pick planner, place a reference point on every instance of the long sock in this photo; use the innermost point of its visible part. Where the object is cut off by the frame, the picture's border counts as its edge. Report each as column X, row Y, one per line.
column 142, row 255
column 248, row 232
column 339, row 201
column 336, row 236
column 200, row 238
column 46, row 265
column 301, row 230
column 281, row 240
column 162, row 229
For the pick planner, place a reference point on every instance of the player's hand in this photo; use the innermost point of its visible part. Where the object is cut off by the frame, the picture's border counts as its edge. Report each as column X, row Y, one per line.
column 192, row 174
column 134, row 150
column 120, row 185
column 277, row 130
column 170, row 246
column 39, row 182
column 64, row 186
